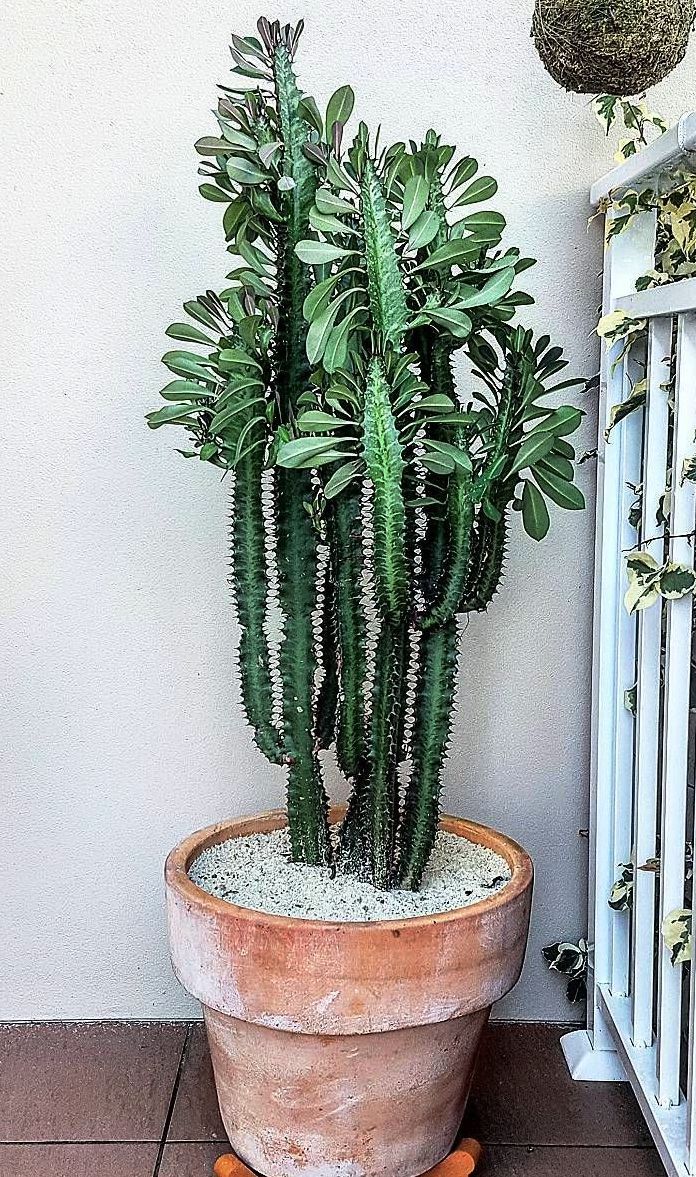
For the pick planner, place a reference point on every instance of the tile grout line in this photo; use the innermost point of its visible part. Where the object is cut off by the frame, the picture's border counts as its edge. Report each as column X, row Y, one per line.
column 172, row 1101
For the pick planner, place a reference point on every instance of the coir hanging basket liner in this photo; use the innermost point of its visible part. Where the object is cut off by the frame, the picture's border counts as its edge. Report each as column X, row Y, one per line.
column 611, row 46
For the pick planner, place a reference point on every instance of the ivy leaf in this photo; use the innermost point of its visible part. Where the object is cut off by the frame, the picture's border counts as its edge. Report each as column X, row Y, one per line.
column 676, row 580
column 535, row 515
column 635, row 400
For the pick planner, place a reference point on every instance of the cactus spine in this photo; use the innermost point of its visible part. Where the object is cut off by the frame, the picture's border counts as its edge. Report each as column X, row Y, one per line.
column 372, row 492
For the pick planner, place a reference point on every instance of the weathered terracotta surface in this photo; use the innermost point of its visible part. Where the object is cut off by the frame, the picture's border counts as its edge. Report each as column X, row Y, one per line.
column 344, row 1050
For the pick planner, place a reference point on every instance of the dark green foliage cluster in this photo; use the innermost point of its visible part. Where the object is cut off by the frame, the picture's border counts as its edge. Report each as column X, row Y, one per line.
column 371, row 495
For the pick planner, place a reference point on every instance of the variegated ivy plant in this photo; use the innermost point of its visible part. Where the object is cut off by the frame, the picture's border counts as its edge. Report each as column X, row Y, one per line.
column 371, row 494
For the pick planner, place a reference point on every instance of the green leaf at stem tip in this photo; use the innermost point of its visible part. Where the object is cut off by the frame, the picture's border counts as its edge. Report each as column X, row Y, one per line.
column 495, row 288
column 340, row 479
column 535, row 446
column 535, row 515
column 330, row 204
column 315, row 421
column 339, row 109
column 243, row 171
column 456, row 322
column 416, row 191
column 231, row 358
column 210, row 192
column 318, row 253
column 482, row 189
column 424, row 230
column 487, row 226
column 188, row 334
column 561, row 492
column 305, row 452
column 452, row 253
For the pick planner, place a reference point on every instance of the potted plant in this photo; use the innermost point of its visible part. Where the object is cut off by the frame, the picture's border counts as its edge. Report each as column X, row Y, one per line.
column 370, row 509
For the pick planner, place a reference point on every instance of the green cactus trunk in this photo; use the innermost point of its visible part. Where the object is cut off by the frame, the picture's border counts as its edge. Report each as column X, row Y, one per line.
column 250, row 586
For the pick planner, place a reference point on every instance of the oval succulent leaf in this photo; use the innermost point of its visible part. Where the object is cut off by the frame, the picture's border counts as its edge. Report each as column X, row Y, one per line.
column 564, row 494
column 416, row 190
column 330, row 204
column 318, row 253
column 482, row 189
column 307, row 452
column 535, row 515
column 452, row 253
column 424, row 230
column 533, row 448
column 339, row 109
column 487, row 226
column 244, row 171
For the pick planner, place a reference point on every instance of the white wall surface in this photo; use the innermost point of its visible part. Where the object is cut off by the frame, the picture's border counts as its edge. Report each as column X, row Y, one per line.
column 121, row 717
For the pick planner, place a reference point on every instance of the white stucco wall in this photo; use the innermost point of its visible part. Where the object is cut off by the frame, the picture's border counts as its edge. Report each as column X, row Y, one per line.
column 122, row 727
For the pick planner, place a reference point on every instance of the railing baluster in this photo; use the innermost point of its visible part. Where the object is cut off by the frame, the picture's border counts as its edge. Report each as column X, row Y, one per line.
column 627, row 256
column 676, row 725
column 624, row 724
column 648, row 696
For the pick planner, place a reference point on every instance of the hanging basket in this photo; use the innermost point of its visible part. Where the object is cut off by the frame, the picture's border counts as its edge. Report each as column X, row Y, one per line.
column 611, row 46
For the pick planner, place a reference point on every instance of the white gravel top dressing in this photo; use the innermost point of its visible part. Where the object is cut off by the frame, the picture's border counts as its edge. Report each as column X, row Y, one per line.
column 255, row 871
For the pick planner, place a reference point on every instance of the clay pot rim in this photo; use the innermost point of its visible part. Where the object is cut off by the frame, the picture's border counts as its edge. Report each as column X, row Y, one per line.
column 182, row 856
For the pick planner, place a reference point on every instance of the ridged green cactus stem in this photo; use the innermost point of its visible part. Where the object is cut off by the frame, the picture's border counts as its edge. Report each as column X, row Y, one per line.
column 435, row 691
column 385, row 281
column 297, row 581
column 327, row 699
column 250, row 586
column 385, row 464
column 381, row 813
column 347, row 565
column 293, row 276
column 459, row 524
column 296, row 537
column 486, row 564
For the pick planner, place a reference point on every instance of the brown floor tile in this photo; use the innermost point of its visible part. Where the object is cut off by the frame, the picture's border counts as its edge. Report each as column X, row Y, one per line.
column 83, row 1082
column 192, row 1160
column 523, row 1094
column 196, row 1115
column 567, row 1162
column 78, row 1160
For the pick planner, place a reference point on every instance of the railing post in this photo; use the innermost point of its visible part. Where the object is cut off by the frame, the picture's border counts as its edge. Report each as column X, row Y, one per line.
column 591, row 1054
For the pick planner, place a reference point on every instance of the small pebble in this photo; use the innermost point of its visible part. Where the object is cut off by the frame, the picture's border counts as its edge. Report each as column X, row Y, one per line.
column 256, row 872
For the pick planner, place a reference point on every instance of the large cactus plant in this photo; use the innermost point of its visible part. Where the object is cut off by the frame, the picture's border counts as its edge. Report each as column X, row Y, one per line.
column 371, row 489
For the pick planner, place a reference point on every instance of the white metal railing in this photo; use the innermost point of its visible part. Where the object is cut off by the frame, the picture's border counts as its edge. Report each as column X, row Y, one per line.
column 642, row 1016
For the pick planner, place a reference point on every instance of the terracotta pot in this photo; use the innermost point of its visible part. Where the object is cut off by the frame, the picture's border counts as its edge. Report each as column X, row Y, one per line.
column 344, row 1050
